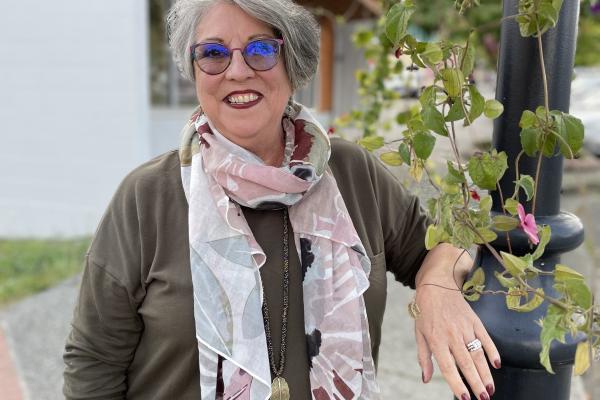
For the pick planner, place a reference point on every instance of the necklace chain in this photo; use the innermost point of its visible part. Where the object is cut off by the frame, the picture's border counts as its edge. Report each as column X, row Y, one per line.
column 278, row 371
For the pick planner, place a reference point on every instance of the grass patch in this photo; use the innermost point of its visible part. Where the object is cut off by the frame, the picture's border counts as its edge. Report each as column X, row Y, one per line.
column 28, row 266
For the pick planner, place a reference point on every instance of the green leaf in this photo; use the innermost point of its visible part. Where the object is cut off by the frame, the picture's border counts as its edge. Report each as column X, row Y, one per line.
column 573, row 135
column 433, row 236
column 362, row 38
column 434, row 120
column 404, row 151
column 454, row 176
column 504, row 281
column 475, row 285
column 402, row 118
column 548, row 145
column 423, row 144
column 577, row 290
column 513, row 298
column 552, row 329
column 582, row 358
column 562, row 273
column 462, row 235
column 467, row 59
column 486, row 169
column 534, row 302
column 544, row 235
column 391, row 158
column 427, row 96
column 396, row 21
column 493, row 109
column 371, row 143
column 514, row 265
column 456, row 112
column 453, row 81
column 432, row 205
column 485, row 204
column 432, row 53
column 528, row 119
column 504, row 223
column 477, row 104
column 529, row 140
column 487, row 236
column 526, row 183
column 478, row 277
column 511, row 205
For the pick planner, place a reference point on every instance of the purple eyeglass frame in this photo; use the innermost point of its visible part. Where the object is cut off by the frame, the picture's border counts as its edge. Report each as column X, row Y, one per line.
column 194, row 46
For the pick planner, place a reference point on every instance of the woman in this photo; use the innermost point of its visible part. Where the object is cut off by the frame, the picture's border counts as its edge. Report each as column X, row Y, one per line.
column 238, row 268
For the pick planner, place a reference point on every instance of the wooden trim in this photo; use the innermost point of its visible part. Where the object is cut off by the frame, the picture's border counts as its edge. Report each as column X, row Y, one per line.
column 373, row 6
column 326, row 65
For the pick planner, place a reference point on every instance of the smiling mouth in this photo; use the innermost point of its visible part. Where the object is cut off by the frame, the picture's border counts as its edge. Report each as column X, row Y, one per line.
column 240, row 100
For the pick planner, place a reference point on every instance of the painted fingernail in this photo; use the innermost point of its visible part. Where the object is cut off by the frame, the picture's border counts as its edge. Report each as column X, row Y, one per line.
column 465, row 396
column 484, row 396
column 497, row 364
column 490, row 389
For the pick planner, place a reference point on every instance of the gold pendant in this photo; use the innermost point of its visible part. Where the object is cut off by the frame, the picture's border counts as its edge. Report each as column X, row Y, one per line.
column 280, row 389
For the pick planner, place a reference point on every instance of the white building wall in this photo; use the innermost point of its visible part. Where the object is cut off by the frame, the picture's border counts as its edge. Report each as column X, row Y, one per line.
column 74, row 110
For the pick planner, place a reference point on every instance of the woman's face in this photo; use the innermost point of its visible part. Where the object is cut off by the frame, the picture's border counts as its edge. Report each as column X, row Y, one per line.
column 259, row 121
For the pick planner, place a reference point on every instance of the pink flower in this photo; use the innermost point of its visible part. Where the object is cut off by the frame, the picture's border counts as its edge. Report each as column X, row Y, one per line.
column 528, row 224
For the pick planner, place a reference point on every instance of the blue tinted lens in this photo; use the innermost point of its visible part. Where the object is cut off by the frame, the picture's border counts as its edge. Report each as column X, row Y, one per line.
column 262, row 55
column 212, row 50
column 265, row 48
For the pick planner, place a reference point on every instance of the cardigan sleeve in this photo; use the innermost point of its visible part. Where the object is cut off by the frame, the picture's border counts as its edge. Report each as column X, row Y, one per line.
column 404, row 224
column 103, row 339
column 106, row 326
column 389, row 219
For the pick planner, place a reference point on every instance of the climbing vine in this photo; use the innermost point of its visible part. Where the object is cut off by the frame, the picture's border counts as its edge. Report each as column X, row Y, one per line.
column 460, row 211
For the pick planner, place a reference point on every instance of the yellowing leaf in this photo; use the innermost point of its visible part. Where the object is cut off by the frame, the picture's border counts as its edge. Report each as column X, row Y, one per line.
column 505, row 223
column 487, row 168
column 582, row 358
column 505, row 282
column 431, row 237
column 453, row 81
column 544, row 236
column 562, row 273
column 510, row 205
column 486, row 236
column 371, row 143
column 513, row 264
column 391, row 158
column 535, row 301
column 493, row 109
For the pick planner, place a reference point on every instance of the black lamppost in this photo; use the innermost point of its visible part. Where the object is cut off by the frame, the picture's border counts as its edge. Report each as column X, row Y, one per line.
column 520, row 87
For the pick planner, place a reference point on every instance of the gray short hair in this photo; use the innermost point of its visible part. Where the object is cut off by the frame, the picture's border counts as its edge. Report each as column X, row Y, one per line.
column 294, row 23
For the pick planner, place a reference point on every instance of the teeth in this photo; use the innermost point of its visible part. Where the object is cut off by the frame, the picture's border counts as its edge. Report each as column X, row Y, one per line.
column 242, row 99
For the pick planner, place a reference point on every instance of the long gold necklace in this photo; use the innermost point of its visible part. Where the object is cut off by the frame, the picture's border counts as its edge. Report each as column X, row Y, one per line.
column 279, row 387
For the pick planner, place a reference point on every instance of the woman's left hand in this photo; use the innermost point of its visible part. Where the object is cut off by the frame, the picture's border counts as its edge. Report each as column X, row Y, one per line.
column 446, row 324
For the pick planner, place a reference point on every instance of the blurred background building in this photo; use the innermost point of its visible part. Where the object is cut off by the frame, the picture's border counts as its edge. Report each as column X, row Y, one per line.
column 88, row 91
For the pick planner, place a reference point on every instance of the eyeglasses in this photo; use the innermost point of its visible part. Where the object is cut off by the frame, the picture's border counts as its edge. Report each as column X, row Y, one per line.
column 214, row 58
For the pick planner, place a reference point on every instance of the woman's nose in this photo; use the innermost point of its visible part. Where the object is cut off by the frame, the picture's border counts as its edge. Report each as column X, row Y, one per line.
column 238, row 69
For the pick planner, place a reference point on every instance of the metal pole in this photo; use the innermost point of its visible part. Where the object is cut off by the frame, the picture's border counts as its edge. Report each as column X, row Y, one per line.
column 520, row 87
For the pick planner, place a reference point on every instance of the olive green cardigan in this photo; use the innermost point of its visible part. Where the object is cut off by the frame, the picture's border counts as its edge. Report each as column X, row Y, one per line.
column 133, row 332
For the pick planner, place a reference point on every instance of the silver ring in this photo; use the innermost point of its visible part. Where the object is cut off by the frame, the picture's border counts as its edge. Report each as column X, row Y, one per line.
column 474, row 345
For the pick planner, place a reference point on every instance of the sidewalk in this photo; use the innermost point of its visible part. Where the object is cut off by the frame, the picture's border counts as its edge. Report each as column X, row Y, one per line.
column 36, row 329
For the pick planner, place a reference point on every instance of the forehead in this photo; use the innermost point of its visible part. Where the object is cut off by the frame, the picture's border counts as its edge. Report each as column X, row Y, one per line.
column 227, row 22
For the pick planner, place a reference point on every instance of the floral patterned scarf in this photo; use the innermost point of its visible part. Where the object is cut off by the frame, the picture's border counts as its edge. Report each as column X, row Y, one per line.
column 217, row 177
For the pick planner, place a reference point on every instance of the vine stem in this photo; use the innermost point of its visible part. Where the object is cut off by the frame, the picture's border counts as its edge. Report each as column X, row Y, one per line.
column 452, row 138
column 504, row 211
column 521, row 281
column 547, row 105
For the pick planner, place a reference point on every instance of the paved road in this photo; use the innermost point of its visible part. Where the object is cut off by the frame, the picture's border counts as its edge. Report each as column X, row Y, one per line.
column 37, row 327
